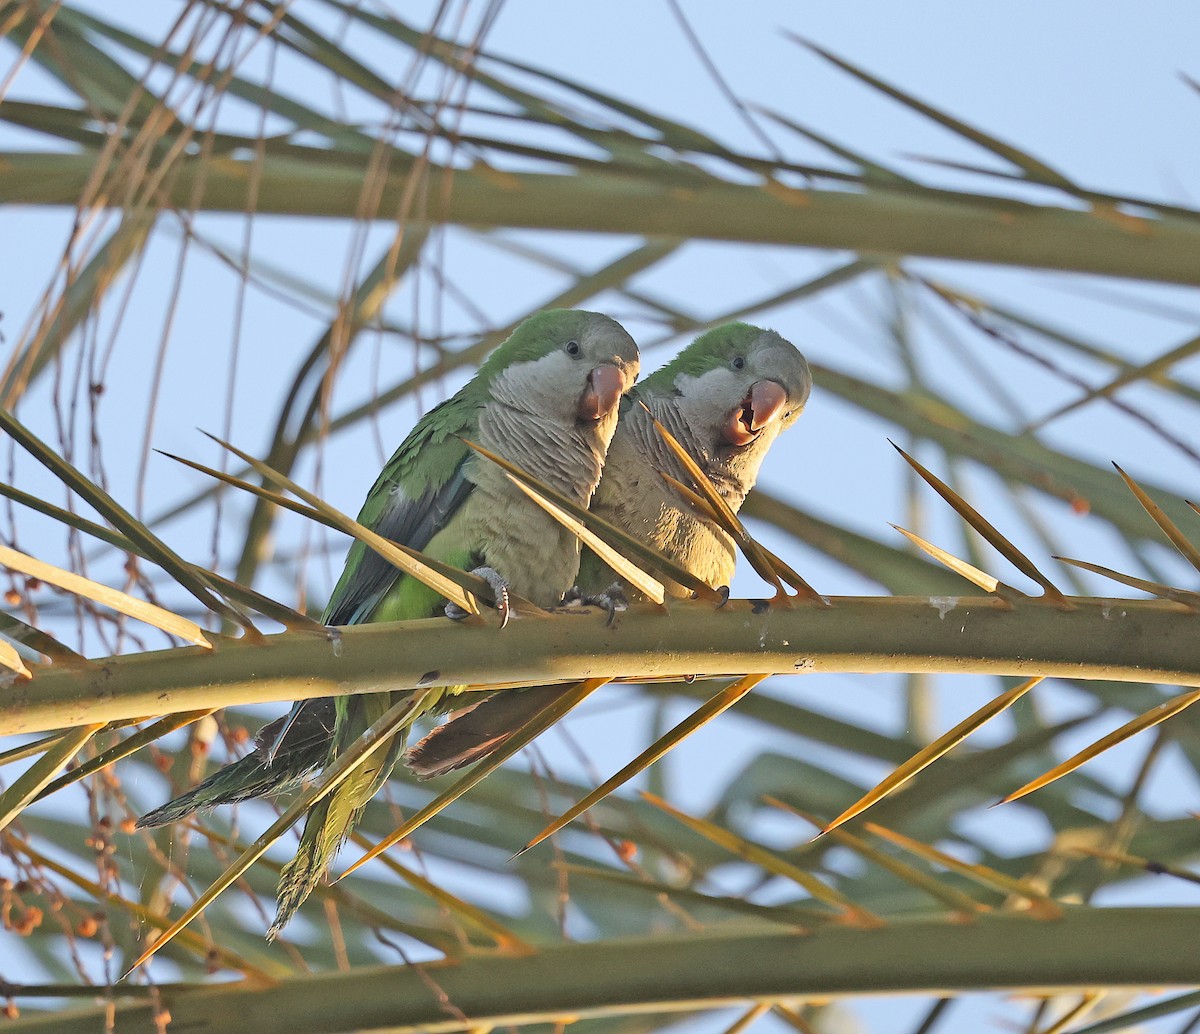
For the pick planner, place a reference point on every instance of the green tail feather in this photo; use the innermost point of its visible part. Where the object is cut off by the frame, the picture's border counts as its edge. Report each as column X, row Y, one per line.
column 329, row 822
column 326, row 827
column 245, row 779
column 305, row 748
column 332, row 818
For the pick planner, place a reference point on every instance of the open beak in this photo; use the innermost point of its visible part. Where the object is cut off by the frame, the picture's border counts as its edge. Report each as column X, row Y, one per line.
column 763, row 403
column 605, row 385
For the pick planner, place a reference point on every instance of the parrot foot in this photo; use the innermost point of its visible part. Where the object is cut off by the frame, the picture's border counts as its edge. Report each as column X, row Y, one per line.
column 499, row 589
column 722, row 592
column 612, row 599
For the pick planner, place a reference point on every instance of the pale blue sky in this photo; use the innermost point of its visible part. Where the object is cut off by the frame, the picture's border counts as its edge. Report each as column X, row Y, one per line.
column 1092, row 89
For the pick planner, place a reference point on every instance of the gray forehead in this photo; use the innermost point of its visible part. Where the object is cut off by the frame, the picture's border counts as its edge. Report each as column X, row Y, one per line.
column 771, row 350
column 607, row 334
column 767, row 355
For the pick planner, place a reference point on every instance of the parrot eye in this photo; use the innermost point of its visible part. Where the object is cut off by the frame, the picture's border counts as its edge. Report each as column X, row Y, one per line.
column 573, row 349
column 738, row 362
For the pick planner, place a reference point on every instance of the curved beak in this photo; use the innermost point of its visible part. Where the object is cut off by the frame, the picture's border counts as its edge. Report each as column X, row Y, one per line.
column 763, row 403
column 605, row 385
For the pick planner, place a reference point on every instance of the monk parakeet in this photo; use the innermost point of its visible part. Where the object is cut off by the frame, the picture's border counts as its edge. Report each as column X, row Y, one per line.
column 546, row 400
column 725, row 398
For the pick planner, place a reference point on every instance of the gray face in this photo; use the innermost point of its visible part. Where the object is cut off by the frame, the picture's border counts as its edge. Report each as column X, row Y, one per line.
column 580, row 378
column 737, row 409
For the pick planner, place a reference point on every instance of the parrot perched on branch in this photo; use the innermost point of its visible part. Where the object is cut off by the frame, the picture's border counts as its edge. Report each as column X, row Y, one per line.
column 545, row 400
column 725, row 398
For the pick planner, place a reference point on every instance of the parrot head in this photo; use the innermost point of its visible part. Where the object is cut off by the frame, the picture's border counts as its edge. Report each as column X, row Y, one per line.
column 738, row 387
column 567, row 365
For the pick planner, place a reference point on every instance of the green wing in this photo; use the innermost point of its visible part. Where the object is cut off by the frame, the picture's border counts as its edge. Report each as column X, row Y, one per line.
column 421, row 488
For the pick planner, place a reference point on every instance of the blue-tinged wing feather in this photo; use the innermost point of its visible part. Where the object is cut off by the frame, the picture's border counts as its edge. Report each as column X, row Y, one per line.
column 412, row 522
column 419, row 491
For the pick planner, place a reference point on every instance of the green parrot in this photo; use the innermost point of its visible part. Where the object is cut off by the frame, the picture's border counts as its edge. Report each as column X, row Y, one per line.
column 725, row 398
column 546, row 400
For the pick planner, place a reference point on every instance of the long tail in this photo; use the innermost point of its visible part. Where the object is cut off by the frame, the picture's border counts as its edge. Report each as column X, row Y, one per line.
column 305, row 748
column 480, row 731
column 332, row 818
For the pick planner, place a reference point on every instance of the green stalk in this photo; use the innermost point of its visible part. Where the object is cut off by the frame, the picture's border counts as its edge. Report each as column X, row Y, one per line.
column 1129, row 640
column 928, row 222
column 1084, row 950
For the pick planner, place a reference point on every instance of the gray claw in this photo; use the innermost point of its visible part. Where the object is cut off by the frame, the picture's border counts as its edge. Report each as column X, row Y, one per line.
column 499, row 589
column 612, row 599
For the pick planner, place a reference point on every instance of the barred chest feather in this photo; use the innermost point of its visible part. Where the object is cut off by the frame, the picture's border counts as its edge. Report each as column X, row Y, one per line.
column 507, row 530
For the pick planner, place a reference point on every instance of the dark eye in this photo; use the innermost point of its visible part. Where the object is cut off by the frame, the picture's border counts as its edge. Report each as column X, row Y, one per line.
column 737, row 362
column 573, row 349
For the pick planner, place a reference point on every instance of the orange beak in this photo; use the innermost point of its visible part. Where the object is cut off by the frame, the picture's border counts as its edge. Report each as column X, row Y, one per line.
column 605, row 384
column 762, row 404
